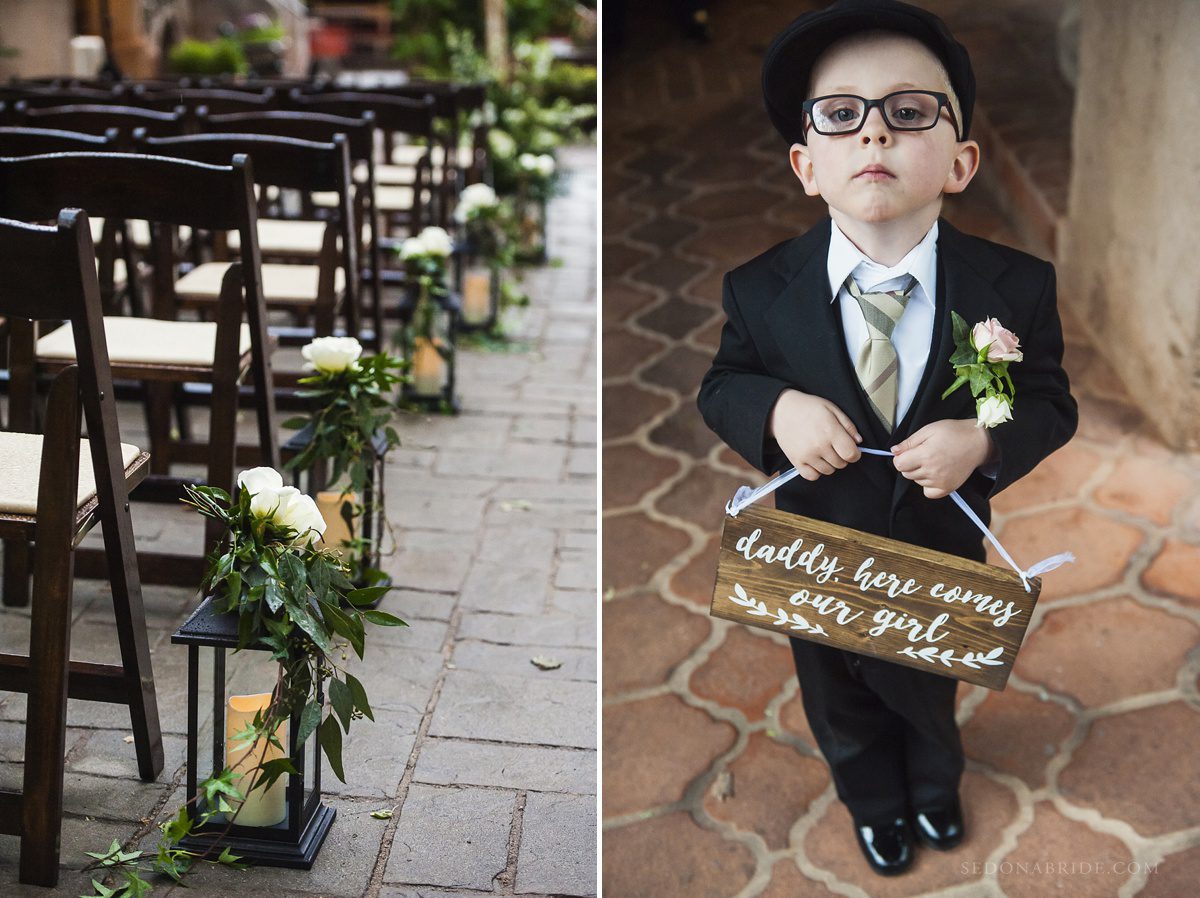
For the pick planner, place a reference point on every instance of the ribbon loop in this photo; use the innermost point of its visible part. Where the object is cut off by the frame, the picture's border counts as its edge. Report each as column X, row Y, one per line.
column 745, row 496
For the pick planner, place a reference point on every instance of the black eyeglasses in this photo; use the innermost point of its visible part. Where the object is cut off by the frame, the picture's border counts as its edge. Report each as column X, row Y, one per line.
column 905, row 110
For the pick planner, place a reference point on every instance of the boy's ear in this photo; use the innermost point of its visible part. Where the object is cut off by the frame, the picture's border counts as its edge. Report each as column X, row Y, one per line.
column 803, row 167
column 962, row 170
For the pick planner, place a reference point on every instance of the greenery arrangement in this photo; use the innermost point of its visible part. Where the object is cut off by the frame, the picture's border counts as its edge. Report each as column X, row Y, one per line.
column 426, row 257
column 351, row 398
column 228, row 54
column 295, row 601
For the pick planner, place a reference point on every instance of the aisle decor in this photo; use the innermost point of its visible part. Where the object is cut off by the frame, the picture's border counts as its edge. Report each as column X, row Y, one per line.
column 273, row 593
column 488, row 264
column 427, row 339
column 341, row 444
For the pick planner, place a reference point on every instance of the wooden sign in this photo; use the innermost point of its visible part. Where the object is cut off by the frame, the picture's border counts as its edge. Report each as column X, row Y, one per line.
column 872, row 595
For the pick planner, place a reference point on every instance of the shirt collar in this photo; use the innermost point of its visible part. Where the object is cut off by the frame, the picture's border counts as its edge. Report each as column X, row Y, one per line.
column 845, row 258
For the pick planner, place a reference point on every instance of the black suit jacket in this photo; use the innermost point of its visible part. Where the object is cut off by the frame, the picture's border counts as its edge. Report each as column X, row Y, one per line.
column 782, row 331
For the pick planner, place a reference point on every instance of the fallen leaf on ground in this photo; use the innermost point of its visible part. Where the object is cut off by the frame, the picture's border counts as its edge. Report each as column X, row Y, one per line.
column 543, row 663
column 384, row 814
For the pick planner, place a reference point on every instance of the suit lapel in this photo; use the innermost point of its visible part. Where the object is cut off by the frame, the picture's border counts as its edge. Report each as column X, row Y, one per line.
column 967, row 271
column 807, row 327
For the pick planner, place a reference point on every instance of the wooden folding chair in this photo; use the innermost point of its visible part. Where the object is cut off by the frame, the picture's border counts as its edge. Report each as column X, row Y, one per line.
column 294, row 238
column 53, row 489
column 406, row 206
column 164, row 352
column 310, row 292
column 214, row 100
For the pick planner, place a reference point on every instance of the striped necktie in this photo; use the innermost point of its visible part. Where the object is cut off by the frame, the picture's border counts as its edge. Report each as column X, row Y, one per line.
column 877, row 365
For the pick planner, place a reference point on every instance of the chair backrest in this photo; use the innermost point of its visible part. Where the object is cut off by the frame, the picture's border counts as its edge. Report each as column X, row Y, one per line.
column 42, row 96
column 315, row 126
column 213, row 100
column 37, row 141
column 94, row 119
column 304, row 165
column 413, row 117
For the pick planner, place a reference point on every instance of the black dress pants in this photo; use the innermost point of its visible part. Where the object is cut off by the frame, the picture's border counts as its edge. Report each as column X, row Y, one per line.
column 887, row 731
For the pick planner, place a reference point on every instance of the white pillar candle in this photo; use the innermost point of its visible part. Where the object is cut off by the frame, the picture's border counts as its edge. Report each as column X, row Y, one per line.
column 330, row 503
column 477, row 295
column 429, row 370
column 262, row 807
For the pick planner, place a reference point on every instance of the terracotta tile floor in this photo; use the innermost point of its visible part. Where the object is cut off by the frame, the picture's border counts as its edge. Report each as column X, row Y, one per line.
column 712, row 785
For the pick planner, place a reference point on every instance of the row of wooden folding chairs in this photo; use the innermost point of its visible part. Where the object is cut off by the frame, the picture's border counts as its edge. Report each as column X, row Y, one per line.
column 50, row 274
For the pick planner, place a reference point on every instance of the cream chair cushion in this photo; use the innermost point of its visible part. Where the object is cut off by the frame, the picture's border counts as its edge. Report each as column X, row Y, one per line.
column 282, row 283
column 387, row 174
column 21, row 465
column 299, row 238
column 147, row 341
column 138, row 230
column 410, row 154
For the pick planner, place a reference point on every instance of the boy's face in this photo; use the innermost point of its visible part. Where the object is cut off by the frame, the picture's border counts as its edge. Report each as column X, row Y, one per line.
column 921, row 164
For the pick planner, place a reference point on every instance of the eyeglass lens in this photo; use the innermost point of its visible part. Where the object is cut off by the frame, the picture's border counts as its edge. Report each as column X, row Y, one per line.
column 903, row 112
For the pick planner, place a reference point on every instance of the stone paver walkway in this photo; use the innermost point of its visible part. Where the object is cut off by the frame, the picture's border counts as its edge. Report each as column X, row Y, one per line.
column 1081, row 776
column 488, row 763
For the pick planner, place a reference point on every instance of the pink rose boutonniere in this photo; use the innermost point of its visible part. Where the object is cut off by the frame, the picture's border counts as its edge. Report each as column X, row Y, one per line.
column 981, row 358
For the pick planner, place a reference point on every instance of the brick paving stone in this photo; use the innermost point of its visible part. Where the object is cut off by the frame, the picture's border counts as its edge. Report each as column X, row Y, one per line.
column 686, row 742
column 629, row 471
column 451, row 836
column 793, row 720
column 676, row 317
column 788, row 882
column 577, row 664
column 766, row 789
column 1103, row 545
column 1016, row 733
column 1056, row 855
column 645, row 638
column 680, row 369
column 1145, row 487
column 745, row 672
column 685, row 431
column 516, row 709
column 695, row 581
column 1147, row 781
column 537, row 630
column 558, row 845
column 1175, row 571
column 987, row 809
column 1176, row 874
column 671, row 857
column 700, row 496
column 454, row 762
column 634, row 547
column 626, row 408
column 1058, row 477
column 1096, row 652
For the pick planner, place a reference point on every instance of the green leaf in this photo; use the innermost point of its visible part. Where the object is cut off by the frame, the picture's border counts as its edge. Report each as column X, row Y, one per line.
column 342, row 701
column 360, row 696
column 383, row 619
column 135, row 886
column 179, row 826
column 330, row 736
column 309, row 718
column 273, row 595
column 228, row 858
column 368, row 595
column 980, row 378
column 102, row 891
column 962, row 330
column 297, row 423
column 384, row 814
column 114, row 857
column 273, row 770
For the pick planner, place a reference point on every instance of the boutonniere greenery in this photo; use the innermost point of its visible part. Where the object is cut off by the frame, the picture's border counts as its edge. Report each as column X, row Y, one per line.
column 981, row 358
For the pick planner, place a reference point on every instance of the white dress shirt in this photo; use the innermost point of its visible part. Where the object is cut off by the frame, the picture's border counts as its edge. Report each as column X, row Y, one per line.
column 914, row 330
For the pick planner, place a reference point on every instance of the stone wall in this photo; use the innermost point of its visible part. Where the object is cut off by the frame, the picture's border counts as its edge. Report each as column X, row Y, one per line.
column 40, row 31
column 1130, row 259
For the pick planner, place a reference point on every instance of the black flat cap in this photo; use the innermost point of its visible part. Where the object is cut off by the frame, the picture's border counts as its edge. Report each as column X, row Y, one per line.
column 789, row 60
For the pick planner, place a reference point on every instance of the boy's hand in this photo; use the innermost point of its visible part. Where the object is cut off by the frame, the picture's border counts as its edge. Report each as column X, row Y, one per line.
column 942, row 455
column 816, row 436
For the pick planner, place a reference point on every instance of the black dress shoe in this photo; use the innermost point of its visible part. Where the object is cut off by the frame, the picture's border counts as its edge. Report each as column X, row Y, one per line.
column 886, row 845
column 940, row 828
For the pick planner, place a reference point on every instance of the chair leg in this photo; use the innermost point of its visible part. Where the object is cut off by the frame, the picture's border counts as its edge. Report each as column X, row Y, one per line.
column 16, row 573
column 158, row 424
column 46, row 719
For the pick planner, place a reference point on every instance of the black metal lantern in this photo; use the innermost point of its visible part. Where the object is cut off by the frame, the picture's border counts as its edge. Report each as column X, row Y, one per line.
column 427, row 339
column 343, row 520
column 478, row 286
column 283, row 826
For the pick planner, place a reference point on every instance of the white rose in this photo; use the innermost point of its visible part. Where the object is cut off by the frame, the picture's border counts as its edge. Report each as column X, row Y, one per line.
column 413, row 246
column 262, row 484
column 331, row 354
column 992, row 411
column 299, row 512
column 501, row 143
column 474, row 197
column 437, row 241
column 527, row 161
column 545, row 165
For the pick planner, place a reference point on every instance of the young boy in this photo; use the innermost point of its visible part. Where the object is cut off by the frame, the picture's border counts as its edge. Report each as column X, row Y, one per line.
column 842, row 336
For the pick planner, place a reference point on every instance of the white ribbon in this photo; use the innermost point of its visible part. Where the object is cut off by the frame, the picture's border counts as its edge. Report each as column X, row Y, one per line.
column 746, row 496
